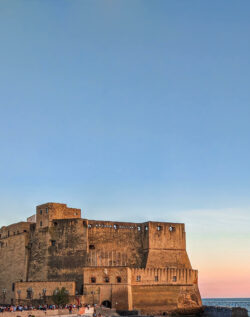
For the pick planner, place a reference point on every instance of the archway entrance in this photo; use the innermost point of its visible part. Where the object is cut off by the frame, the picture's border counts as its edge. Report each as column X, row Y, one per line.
column 107, row 304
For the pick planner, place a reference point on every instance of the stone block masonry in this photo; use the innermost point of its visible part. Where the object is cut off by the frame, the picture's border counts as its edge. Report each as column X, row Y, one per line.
column 122, row 265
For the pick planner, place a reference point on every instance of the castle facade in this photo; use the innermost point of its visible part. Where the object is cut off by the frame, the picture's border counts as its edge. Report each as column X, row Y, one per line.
column 127, row 266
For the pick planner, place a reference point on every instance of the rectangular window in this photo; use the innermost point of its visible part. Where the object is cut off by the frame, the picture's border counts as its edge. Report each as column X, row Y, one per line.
column 106, row 279
column 41, row 223
column 138, row 278
column 174, row 278
column 156, row 278
column 47, row 210
column 92, row 279
column 13, row 287
column 53, row 243
column 41, row 212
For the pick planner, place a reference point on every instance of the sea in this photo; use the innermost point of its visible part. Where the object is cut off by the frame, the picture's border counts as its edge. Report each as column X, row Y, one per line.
column 228, row 302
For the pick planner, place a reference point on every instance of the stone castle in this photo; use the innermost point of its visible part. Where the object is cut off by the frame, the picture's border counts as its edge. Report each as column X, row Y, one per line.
column 127, row 266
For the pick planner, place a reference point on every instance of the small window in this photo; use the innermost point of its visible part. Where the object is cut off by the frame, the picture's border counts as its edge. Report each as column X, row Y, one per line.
column 24, row 231
column 8, row 233
column 138, row 278
column 159, row 228
column 174, row 278
column 139, row 228
column 55, row 223
column 146, row 228
column 53, row 243
column 91, row 247
column 41, row 212
column 89, row 226
column 156, row 278
column 171, row 228
column 118, row 279
column 13, row 287
column 41, row 223
column 93, row 279
column 115, row 226
column 47, row 210
column 106, row 279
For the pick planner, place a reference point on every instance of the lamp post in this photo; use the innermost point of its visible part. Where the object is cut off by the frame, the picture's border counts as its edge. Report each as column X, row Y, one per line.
column 93, row 297
column 4, row 291
column 30, row 294
column 44, row 295
column 19, row 295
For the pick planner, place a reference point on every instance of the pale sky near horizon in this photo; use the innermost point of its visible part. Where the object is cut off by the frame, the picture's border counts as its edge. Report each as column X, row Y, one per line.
column 133, row 110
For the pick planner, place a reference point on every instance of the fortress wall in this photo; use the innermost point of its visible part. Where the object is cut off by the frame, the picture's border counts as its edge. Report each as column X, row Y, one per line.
column 159, row 276
column 58, row 252
column 118, row 293
column 14, row 229
column 58, row 243
column 121, row 238
column 148, row 295
column 156, row 299
column 106, row 258
column 13, row 260
column 168, row 258
column 100, row 273
column 47, row 212
column 61, row 211
column 37, row 289
column 67, row 250
column 167, row 246
column 164, row 235
column 60, row 246
column 38, row 253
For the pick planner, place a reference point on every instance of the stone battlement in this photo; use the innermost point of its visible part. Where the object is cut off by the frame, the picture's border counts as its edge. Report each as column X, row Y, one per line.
column 125, row 265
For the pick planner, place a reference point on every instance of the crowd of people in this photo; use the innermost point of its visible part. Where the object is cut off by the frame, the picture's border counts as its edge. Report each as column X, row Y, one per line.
column 69, row 307
column 20, row 308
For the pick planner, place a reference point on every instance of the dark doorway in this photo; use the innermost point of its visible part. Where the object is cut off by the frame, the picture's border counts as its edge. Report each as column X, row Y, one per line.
column 107, row 303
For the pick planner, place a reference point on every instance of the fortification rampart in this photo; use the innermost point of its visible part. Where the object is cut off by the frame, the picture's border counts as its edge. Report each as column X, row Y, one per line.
column 115, row 260
column 158, row 276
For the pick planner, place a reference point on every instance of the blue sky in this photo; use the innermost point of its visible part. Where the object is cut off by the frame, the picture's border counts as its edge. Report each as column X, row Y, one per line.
column 127, row 109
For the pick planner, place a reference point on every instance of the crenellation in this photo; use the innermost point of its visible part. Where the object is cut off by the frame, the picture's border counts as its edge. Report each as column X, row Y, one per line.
column 128, row 265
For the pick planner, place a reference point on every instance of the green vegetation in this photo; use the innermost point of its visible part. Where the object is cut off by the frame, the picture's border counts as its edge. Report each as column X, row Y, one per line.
column 60, row 296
